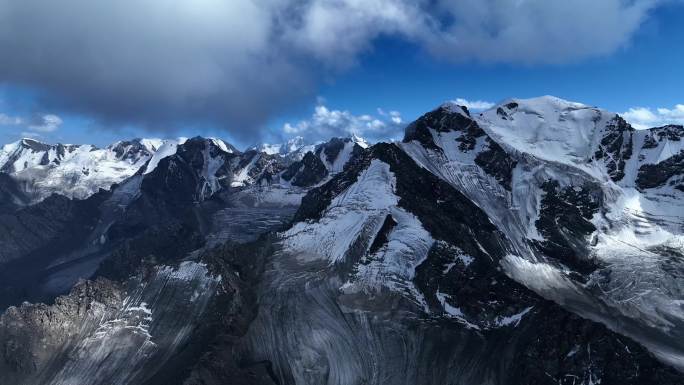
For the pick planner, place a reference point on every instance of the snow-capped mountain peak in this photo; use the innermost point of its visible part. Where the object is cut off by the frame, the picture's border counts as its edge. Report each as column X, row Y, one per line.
column 224, row 146
column 134, row 150
column 591, row 139
column 359, row 140
column 76, row 171
column 454, row 107
column 298, row 146
column 548, row 128
column 293, row 146
column 26, row 153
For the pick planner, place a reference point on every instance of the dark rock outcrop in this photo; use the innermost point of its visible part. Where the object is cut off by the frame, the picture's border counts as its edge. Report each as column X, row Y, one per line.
column 564, row 222
column 445, row 119
column 669, row 171
column 307, row 172
column 615, row 147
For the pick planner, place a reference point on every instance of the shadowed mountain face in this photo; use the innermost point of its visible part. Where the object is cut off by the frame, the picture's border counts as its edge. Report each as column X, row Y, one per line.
column 539, row 242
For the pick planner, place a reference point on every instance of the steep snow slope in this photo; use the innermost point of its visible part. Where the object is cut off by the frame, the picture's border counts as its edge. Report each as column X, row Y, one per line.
column 591, row 205
column 362, row 209
column 168, row 148
column 548, row 128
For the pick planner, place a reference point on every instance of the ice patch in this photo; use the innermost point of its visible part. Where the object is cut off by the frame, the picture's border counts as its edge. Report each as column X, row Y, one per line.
column 539, row 276
column 453, row 311
column 512, row 319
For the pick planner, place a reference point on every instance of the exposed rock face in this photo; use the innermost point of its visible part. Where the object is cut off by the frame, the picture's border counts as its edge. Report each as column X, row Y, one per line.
column 538, row 242
column 565, row 223
column 616, row 147
column 133, row 150
column 307, row 172
column 437, row 129
column 668, row 172
column 446, row 118
column 494, row 161
column 107, row 333
column 32, row 335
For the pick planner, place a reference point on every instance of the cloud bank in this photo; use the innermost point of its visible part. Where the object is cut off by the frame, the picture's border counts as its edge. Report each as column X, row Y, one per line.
column 234, row 64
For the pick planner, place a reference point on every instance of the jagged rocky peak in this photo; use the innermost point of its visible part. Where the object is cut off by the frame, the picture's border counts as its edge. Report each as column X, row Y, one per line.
column 291, row 150
column 305, row 173
column 27, row 153
column 297, row 163
column 38, row 146
column 256, row 167
column 292, row 145
column 672, row 132
column 336, row 152
column 362, row 142
column 199, row 168
column 213, row 145
column 560, row 131
column 134, row 150
column 449, row 117
column 660, row 160
column 143, row 149
column 75, row 171
column 33, row 144
column 294, row 149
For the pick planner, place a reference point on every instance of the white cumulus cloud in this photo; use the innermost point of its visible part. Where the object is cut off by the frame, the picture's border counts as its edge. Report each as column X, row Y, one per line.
column 644, row 117
column 325, row 123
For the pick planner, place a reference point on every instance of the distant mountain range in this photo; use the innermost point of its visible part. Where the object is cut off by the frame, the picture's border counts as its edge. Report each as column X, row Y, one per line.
column 537, row 242
column 78, row 171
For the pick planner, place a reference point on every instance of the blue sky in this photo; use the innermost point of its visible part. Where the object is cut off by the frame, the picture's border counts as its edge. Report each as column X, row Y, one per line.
column 374, row 82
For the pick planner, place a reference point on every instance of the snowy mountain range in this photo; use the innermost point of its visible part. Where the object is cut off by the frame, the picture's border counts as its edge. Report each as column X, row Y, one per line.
column 36, row 170
column 537, row 242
